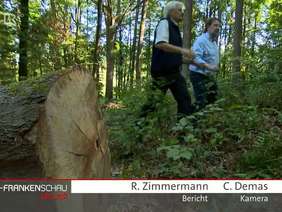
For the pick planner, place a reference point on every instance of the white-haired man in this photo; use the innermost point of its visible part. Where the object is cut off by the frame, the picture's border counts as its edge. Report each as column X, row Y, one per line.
column 167, row 60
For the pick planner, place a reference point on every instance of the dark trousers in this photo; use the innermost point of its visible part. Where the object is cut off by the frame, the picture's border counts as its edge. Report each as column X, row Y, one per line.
column 205, row 89
column 177, row 85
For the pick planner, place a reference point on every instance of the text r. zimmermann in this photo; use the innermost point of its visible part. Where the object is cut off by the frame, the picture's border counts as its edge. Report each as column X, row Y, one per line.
column 149, row 186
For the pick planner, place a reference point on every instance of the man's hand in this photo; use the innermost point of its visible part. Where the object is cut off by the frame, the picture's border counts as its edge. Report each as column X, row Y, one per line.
column 188, row 54
column 186, row 60
column 211, row 67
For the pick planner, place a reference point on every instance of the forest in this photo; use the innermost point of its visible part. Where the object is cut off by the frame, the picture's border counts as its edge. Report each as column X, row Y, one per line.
column 239, row 136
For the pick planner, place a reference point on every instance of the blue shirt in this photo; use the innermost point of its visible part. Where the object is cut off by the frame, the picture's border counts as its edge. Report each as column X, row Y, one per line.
column 206, row 51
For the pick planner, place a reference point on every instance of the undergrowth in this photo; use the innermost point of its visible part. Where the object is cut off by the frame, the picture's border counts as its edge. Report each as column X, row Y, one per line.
column 238, row 136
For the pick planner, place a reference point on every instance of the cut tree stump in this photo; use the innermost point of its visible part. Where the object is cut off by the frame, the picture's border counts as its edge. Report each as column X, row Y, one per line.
column 53, row 127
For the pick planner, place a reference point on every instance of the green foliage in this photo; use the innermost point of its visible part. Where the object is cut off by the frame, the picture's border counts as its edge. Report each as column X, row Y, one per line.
column 176, row 152
column 8, row 46
column 239, row 136
column 31, row 86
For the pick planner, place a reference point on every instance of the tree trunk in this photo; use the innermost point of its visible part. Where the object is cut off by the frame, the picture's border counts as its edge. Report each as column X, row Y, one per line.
column 97, row 42
column 55, row 120
column 119, row 62
column 23, row 37
column 129, row 43
column 77, row 29
column 149, row 50
column 219, row 12
column 141, row 40
column 207, row 9
column 54, row 44
column 66, row 27
column 110, row 62
column 187, row 31
column 245, row 22
column 110, row 37
column 133, row 51
column 112, row 23
column 237, row 38
column 253, row 39
column 187, row 35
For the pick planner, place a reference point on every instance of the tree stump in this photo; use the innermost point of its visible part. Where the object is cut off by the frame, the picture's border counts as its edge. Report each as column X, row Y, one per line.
column 55, row 120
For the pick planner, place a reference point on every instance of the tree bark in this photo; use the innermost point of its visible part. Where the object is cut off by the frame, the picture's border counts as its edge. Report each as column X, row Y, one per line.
column 54, row 44
column 187, row 35
column 112, row 23
column 110, row 34
column 134, row 43
column 130, row 44
column 253, row 37
column 97, row 41
column 207, row 9
column 66, row 26
column 120, row 59
column 56, row 121
column 141, row 41
column 187, row 31
column 77, row 29
column 219, row 12
column 23, row 37
column 237, row 38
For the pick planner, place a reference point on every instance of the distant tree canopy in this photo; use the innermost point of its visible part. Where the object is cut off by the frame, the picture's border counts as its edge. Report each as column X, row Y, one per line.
column 38, row 37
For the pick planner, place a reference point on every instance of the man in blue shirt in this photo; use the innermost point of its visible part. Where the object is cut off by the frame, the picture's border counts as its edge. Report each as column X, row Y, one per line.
column 205, row 64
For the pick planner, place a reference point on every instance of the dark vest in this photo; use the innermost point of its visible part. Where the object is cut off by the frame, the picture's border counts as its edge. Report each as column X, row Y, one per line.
column 166, row 63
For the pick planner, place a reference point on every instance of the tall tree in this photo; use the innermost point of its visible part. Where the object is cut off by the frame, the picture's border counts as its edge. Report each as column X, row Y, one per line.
column 113, row 21
column 141, row 40
column 237, row 39
column 77, row 29
column 23, row 38
column 207, row 13
column 120, row 67
column 253, row 37
column 110, row 35
column 187, row 36
column 187, row 30
column 66, row 25
column 54, row 21
column 97, row 41
column 220, row 6
column 134, row 43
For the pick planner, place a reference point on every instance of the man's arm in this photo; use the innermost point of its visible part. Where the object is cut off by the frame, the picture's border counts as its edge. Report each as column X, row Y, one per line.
column 162, row 41
column 175, row 49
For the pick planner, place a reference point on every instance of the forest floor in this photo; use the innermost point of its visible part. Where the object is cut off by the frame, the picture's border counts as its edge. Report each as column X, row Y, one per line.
column 238, row 137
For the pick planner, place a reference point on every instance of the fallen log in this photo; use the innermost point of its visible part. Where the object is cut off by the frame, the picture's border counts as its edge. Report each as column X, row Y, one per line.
column 53, row 127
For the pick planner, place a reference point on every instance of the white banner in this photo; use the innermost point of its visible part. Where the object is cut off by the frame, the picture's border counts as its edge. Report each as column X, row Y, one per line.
column 176, row 186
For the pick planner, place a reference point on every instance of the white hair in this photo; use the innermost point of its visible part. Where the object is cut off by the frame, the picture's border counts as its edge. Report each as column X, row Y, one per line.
column 172, row 5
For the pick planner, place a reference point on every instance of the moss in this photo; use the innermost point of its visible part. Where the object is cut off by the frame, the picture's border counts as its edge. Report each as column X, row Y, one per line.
column 33, row 85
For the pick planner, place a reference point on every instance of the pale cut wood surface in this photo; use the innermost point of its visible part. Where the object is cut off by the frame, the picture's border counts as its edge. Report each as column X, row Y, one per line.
column 61, row 125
